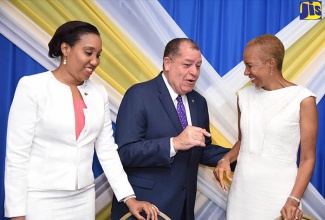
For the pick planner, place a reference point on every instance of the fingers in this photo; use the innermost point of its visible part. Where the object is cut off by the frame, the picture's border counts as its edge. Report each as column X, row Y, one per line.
column 152, row 211
column 205, row 133
column 283, row 213
column 136, row 207
column 298, row 214
column 197, row 135
column 228, row 174
column 191, row 136
column 289, row 212
column 200, row 131
column 218, row 173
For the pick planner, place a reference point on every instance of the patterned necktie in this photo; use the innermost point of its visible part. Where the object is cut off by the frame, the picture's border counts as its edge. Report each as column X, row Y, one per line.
column 181, row 112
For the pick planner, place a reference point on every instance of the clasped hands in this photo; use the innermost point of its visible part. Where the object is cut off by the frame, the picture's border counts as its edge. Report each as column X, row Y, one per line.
column 190, row 137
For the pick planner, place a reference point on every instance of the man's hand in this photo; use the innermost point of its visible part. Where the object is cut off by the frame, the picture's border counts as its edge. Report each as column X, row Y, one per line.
column 190, row 137
column 136, row 207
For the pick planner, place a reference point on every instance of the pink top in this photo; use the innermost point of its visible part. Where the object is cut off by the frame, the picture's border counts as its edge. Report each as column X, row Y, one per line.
column 79, row 106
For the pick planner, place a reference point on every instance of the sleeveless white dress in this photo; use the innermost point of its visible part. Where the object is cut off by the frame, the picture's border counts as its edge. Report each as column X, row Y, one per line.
column 266, row 165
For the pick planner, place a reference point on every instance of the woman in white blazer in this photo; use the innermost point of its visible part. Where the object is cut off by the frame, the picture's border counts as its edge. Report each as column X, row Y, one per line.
column 56, row 120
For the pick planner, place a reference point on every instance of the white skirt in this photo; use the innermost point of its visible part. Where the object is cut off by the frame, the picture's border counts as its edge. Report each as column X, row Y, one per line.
column 61, row 204
column 260, row 187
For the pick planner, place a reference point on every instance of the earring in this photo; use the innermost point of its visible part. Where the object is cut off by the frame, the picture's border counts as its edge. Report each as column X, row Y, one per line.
column 271, row 74
column 64, row 61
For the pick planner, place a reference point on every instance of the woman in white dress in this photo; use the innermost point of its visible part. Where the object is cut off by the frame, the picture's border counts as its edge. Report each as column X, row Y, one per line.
column 275, row 117
column 56, row 121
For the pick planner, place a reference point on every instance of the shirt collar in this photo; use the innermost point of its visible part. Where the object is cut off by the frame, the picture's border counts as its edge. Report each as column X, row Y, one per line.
column 172, row 93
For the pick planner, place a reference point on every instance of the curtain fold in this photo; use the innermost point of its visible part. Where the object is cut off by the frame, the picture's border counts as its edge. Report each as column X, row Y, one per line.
column 119, row 56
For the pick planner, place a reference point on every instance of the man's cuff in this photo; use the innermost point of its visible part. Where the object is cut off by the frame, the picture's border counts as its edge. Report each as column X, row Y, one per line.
column 172, row 150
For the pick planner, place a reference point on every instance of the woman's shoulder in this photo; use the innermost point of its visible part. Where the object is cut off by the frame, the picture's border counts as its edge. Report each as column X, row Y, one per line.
column 304, row 92
column 247, row 89
column 35, row 80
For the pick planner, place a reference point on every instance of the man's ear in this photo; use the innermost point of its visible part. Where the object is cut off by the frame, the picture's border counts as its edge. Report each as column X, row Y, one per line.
column 167, row 62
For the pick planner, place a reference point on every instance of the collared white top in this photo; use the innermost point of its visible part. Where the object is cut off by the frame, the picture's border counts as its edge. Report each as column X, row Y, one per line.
column 42, row 150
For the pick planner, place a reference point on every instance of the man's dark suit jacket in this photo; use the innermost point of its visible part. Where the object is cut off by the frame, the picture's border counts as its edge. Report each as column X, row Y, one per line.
column 146, row 121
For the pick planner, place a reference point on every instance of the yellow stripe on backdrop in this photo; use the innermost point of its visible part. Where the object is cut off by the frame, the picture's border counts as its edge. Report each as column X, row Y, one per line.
column 218, row 138
column 105, row 213
column 299, row 55
column 122, row 64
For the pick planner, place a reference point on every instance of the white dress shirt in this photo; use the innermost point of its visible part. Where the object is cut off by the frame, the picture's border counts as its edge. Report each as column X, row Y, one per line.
column 174, row 95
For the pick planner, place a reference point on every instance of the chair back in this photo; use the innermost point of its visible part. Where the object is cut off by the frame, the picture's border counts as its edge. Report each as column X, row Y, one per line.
column 127, row 215
column 304, row 217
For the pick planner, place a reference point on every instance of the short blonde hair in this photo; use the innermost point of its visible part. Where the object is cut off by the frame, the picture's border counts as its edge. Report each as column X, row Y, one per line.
column 269, row 46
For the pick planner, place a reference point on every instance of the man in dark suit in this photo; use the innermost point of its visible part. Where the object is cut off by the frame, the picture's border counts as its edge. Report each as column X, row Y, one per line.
column 160, row 157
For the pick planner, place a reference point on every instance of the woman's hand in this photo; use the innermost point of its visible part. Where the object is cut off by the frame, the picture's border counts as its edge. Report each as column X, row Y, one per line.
column 18, row 218
column 136, row 207
column 223, row 166
column 291, row 211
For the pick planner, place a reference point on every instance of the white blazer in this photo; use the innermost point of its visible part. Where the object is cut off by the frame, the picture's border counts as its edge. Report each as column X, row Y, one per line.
column 42, row 150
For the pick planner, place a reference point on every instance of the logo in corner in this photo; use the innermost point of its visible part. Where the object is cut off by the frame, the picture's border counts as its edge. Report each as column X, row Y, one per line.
column 310, row 10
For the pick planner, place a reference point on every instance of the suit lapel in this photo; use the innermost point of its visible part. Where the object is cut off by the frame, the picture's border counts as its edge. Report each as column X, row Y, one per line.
column 169, row 107
column 194, row 114
column 168, row 103
column 193, row 108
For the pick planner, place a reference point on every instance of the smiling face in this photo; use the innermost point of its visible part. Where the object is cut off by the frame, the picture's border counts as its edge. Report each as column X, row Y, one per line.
column 183, row 71
column 82, row 58
column 257, row 69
